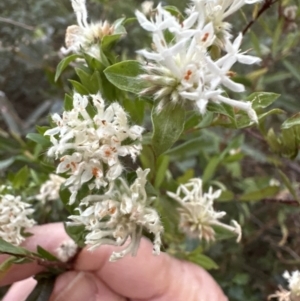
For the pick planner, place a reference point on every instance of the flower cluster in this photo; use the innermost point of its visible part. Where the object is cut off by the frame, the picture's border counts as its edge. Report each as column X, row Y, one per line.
column 84, row 36
column 49, row 191
column 293, row 294
column 14, row 218
column 180, row 69
column 197, row 215
column 118, row 216
column 89, row 144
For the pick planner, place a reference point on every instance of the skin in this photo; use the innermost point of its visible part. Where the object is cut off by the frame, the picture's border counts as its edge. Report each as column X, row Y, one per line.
column 141, row 278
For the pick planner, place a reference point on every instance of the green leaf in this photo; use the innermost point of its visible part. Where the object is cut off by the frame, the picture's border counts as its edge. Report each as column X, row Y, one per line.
column 173, row 10
column 21, row 177
column 147, row 158
column 64, row 194
column 168, row 125
column 288, row 184
column 206, row 120
column 262, row 99
column 226, row 196
column 64, row 64
column 291, row 122
column 200, row 259
column 260, row 194
column 271, row 112
column 39, row 139
column 77, row 233
column 42, row 290
column 79, row 87
column 136, row 109
column 90, row 82
column 68, row 102
column 93, row 63
column 162, row 167
column 188, row 174
column 45, row 254
column 6, row 247
column 221, row 109
column 210, row 169
column 6, row 163
column 6, row 265
column 292, row 69
column 273, row 141
column 125, row 76
column 186, row 149
column 109, row 40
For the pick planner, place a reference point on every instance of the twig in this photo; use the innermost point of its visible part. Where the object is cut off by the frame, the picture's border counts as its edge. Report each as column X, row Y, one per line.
column 9, row 115
column 267, row 4
column 282, row 201
column 16, row 23
column 43, row 262
column 255, row 135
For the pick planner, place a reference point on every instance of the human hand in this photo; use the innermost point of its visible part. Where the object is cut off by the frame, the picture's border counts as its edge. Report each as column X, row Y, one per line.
column 141, row 278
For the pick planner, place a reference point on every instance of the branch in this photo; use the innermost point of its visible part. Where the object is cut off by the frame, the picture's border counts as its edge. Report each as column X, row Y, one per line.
column 43, row 262
column 16, row 23
column 282, row 201
column 267, row 4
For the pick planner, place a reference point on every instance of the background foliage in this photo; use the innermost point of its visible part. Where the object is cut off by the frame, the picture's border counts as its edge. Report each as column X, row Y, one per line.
column 259, row 169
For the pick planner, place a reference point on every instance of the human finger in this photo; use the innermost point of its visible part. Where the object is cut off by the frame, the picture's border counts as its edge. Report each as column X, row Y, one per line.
column 20, row 290
column 82, row 286
column 150, row 277
column 50, row 237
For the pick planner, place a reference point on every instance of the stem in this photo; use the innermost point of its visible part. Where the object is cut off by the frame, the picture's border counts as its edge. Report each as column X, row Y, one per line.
column 43, row 262
column 16, row 23
column 267, row 4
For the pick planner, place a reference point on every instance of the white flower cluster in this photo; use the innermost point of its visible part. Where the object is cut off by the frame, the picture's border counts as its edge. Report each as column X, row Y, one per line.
column 197, row 215
column 84, row 36
column 89, row 146
column 49, row 191
column 118, row 216
column 181, row 69
column 14, row 218
column 293, row 294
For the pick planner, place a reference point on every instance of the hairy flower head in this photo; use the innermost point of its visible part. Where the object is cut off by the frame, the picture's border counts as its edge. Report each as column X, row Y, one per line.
column 14, row 218
column 293, row 294
column 85, row 36
column 197, row 215
column 89, row 145
column 49, row 191
column 119, row 216
column 181, row 70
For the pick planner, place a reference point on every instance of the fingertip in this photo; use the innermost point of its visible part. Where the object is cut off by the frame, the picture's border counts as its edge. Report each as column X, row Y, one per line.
column 20, row 290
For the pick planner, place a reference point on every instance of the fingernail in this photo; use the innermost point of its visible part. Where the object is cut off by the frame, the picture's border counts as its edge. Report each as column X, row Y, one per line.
column 75, row 286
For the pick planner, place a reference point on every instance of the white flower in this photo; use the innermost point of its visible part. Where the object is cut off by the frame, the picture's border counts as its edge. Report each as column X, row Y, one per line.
column 49, row 191
column 216, row 11
column 66, row 251
column 147, row 7
column 181, row 70
column 293, row 294
column 85, row 36
column 119, row 216
column 13, row 218
column 89, row 147
column 197, row 215
column 294, row 282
